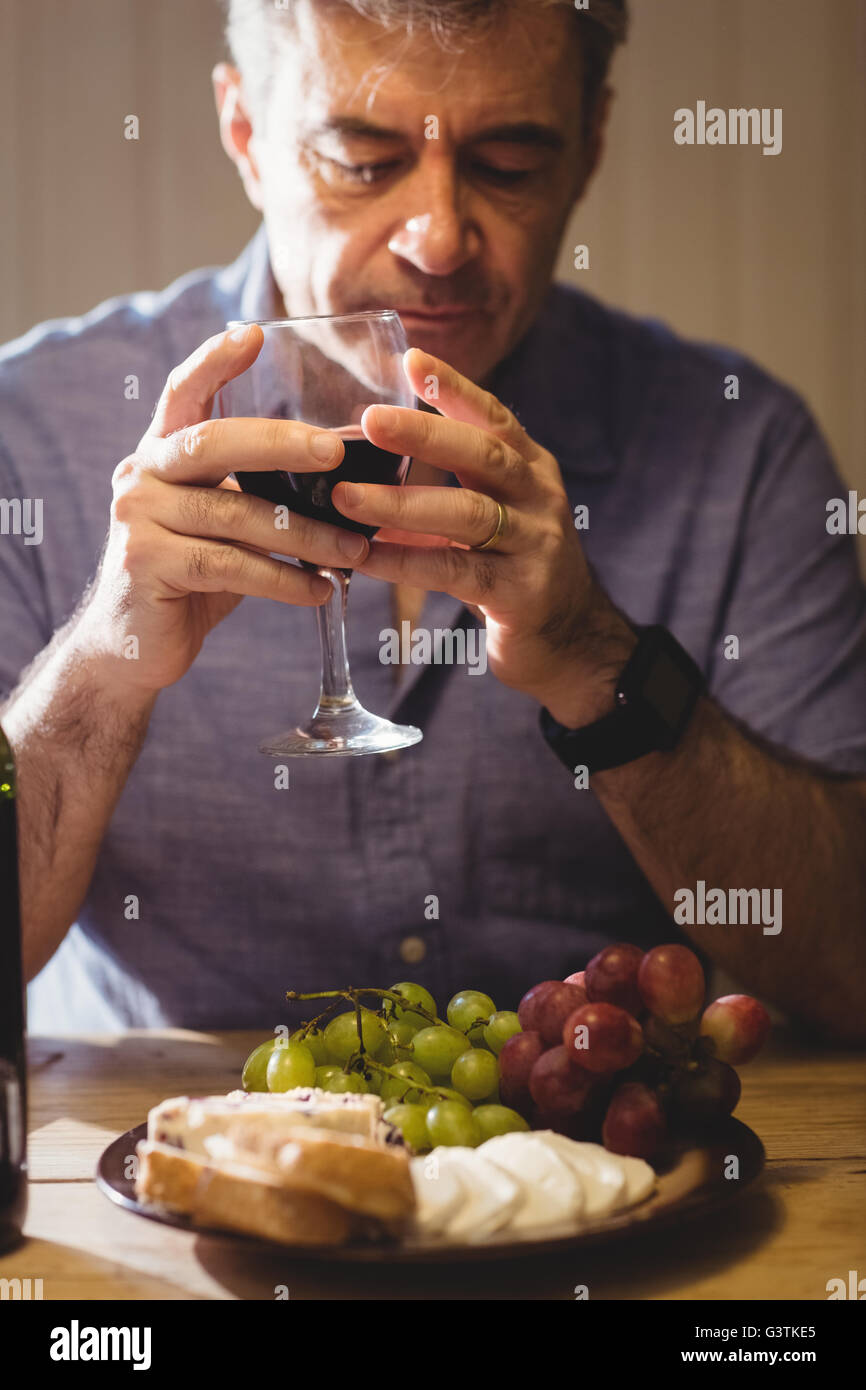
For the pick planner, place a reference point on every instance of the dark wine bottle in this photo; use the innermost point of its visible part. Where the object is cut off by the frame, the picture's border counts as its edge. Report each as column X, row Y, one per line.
column 13, row 1073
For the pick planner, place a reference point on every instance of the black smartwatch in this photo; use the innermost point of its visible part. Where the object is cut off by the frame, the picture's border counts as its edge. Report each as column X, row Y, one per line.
column 654, row 700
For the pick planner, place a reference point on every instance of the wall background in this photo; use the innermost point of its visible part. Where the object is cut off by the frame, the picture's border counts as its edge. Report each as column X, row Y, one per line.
column 724, row 243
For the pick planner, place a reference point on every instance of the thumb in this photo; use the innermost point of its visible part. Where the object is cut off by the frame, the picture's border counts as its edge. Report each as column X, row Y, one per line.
column 187, row 397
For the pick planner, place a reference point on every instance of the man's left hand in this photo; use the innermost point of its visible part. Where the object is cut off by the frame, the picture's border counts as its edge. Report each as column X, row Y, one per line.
column 551, row 631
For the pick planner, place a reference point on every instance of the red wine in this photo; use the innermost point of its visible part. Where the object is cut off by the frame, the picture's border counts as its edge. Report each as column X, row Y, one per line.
column 310, row 493
column 13, row 1105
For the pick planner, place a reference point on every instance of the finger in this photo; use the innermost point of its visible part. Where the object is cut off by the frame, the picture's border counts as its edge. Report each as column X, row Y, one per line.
column 409, row 538
column 259, row 549
column 470, row 577
column 187, row 396
column 480, row 459
column 204, row 566
column 460, row 514
column 218, row 514
column 460, row 399
column 207, row 451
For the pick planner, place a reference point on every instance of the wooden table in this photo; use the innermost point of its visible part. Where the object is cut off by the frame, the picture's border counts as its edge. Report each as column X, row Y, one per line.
column 800, row 1225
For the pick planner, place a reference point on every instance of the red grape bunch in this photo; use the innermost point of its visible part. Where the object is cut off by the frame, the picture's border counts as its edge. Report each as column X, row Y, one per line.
column 625, row 1052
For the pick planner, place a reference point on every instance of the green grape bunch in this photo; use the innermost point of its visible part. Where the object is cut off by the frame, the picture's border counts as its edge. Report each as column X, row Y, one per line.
column 437, row 1077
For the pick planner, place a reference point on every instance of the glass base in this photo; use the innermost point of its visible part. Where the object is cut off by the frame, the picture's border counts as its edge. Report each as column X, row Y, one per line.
column 342, row 731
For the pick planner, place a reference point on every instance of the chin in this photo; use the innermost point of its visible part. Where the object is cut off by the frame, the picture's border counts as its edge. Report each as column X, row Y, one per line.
column 468, row 350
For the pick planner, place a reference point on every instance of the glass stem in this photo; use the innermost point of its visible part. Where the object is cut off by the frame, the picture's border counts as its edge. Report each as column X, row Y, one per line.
column 336, row 693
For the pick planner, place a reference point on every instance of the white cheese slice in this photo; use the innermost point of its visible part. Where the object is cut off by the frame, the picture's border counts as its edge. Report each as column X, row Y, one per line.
column 640, row 1179
column 439, row 1191
column 520, row 1181
column 553, row 1192
column 600, row 1172
column 491, row 1196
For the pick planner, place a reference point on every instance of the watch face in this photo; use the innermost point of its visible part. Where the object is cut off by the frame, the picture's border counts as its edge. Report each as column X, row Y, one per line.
column 666, row 689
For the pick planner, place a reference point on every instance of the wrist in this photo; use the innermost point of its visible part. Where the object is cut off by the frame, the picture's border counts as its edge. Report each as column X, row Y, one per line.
column 584, row 688
column 654, row 698
column 103, row 667
column 70, row 711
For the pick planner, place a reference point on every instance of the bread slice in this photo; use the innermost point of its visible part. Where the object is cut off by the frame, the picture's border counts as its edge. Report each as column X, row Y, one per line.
column 188, row 1122
column 353, row 1171
column 305, row 1167
column 238, row 1197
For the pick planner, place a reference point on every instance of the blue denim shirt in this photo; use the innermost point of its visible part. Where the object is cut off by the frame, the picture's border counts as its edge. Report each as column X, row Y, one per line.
column 705, row 514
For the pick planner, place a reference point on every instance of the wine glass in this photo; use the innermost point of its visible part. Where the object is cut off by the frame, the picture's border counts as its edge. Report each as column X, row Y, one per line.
column 325, row 371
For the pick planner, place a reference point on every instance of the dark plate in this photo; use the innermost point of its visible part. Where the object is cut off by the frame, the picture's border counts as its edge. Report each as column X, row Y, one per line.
column 694, row 1185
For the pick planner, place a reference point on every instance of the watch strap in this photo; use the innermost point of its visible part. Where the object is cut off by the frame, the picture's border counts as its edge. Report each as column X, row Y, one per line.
column 609, row 742
column 633, row 727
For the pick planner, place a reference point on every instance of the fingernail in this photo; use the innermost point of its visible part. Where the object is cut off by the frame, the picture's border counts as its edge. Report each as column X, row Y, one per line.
column 383, row 419
column 353, row 494
column 240, row 334
column 324, row 447
column 352, row 545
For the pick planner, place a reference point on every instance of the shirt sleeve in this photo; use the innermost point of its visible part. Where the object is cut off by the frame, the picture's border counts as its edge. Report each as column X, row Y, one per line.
column 25, row 627
column 796, row 605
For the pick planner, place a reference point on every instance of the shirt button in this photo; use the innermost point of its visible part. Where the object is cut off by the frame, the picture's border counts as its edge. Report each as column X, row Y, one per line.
column 413, row 950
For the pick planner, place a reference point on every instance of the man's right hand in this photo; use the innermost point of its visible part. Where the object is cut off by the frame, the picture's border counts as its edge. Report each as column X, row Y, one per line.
column 185, row 544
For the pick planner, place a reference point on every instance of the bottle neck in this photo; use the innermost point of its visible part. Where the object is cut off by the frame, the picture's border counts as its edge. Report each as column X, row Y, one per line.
column 11, row 973
column 7, row 770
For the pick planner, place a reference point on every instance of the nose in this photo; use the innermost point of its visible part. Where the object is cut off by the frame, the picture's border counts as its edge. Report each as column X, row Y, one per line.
column 437, row 237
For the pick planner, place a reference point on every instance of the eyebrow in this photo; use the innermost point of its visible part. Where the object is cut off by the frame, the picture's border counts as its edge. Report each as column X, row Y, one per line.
column 514, row 133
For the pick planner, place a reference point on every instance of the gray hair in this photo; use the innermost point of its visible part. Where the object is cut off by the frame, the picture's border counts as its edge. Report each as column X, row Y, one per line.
column 251, row 31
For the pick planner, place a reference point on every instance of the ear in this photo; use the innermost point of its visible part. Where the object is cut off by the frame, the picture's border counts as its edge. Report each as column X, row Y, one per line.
column 236, row 128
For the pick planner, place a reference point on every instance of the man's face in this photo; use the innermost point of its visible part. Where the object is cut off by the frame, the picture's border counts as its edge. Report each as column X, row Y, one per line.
column 393, row 174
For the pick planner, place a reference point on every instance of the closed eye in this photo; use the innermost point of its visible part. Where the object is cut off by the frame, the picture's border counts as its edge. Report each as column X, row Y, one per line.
column 497, row 175
column 366, row 173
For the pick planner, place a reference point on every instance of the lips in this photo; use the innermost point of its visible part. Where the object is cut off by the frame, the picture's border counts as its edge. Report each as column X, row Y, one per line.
column 431, row 320
column 458, row 311
column 442, row 313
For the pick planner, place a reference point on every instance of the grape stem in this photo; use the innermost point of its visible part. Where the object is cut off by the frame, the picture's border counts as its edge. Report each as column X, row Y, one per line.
column 354, row 995
column 316, row 1024
column 368, row 1062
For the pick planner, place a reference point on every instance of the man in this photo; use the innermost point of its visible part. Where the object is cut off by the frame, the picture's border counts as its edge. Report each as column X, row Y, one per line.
column 607, row 486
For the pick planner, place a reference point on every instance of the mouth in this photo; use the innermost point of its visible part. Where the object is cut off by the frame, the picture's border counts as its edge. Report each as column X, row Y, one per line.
column 448, row 314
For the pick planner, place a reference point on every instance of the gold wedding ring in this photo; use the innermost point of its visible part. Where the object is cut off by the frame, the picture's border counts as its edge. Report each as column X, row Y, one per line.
column 500, row 527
